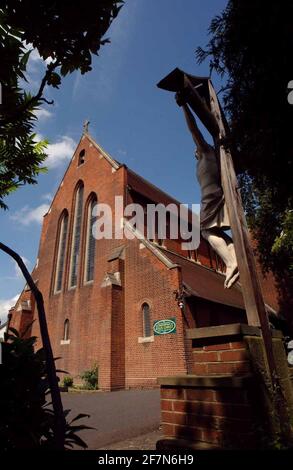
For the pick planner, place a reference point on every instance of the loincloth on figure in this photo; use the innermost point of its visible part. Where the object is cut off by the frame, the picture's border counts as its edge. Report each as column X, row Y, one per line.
column 213, row 211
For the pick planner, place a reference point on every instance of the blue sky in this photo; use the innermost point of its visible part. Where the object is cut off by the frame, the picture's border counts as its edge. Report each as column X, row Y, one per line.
column 132, row 119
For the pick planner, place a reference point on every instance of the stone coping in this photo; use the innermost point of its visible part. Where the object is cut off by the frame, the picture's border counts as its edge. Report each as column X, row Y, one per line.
column 233, row 329
column 228, row 381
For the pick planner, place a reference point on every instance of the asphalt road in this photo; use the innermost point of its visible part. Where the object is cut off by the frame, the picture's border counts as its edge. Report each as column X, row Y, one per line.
column 115, row 415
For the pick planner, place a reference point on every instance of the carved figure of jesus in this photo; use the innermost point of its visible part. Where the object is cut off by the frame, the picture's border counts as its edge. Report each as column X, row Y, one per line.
column 214, row 220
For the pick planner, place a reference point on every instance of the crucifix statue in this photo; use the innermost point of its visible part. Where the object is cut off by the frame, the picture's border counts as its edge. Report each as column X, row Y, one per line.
column 214, row 218
column 221, row 200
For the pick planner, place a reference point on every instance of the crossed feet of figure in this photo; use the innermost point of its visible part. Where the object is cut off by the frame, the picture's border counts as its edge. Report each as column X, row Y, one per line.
column 232, row 276
column 232, row 272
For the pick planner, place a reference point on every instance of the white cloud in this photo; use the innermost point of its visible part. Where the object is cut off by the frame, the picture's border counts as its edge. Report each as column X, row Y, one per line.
column 47, row 197
column 5, row 306
column 34, row 55
column 43, row 114
column 58, row 152
column 17, row 270
column 28, row 215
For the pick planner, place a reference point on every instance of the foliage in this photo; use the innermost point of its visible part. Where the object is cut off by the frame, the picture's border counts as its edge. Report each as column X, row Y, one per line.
column 68, row 381
column 251, row 46
column 90, row 378
column 66, row 35
column 27, row 418
column 21, row 156
column 284, row 242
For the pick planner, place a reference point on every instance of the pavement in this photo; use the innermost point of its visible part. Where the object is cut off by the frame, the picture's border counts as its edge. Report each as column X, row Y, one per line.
column 128, row 419
column 143, row 442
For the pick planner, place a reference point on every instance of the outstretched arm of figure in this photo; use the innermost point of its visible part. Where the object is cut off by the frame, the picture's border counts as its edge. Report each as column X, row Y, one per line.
column 191, row 123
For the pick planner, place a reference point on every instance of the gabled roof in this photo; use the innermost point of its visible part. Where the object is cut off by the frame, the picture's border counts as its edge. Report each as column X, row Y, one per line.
column 148, row 189
column 108, row 157
column 206, row 283
column 114, row 163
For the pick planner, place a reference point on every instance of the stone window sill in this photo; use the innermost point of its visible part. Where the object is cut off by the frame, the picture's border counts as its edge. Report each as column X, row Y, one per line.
column 65, row 341
column 146, row 339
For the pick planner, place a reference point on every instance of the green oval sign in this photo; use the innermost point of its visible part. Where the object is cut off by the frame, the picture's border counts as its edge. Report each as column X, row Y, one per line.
column 163, row 327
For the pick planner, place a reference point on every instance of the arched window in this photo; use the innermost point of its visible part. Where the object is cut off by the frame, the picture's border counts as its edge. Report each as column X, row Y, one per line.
column 75, row 247
column 66, row 330
column 146, row 318
column 81, row 157
column 62, row 239
column 90, row 247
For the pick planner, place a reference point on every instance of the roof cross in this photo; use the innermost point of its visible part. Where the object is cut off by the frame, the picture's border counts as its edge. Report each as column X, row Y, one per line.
column 86, row 126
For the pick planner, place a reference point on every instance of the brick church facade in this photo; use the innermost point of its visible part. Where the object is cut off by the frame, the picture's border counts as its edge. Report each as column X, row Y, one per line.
column 103, row 296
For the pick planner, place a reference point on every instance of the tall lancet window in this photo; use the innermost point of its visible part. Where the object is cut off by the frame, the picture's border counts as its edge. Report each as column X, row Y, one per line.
column 146, row 319
column 75, row 247
column 90, row 247
column 66, row 330
column 62, row 239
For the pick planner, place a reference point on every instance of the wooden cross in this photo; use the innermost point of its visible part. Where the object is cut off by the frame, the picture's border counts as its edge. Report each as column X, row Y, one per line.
column 204, row 102
column 251, row 289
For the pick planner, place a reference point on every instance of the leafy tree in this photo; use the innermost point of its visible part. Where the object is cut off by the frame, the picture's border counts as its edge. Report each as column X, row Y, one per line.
column 251, row 46
column 66, row 34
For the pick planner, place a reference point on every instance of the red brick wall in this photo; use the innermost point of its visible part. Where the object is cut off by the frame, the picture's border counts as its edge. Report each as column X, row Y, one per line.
column 22, row 319
column 88, row 307
column 221, row 417
column 148, row 280
column 223, row 356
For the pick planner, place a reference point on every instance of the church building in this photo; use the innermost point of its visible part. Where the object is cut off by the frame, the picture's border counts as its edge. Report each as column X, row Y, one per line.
column 122, row 305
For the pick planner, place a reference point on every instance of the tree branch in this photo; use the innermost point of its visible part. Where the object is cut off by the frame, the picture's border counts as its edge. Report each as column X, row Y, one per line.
column 60, row 422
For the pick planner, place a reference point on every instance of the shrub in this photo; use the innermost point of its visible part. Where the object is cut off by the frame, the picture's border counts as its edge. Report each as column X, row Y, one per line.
column 68, row 381
column 90, row 378
column 27, row 418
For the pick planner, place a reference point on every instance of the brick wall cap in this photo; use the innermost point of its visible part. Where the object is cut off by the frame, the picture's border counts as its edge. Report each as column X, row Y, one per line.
column 234, row 329
column 229, row 381
column 117, row 253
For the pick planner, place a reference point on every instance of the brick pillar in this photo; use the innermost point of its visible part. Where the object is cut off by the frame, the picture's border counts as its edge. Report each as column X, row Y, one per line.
column 117, row 340
column 206, row 412
column 221, row 349
column 226, row 401
column 104, row 363
column 113, row 373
